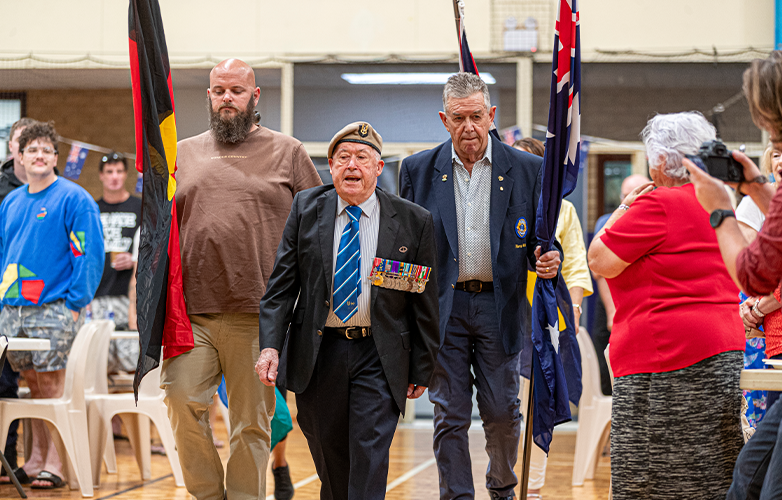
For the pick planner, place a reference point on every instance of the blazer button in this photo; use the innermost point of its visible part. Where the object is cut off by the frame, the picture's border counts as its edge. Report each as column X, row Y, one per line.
column 453, row 286
column 327, row 303
column 320, row 333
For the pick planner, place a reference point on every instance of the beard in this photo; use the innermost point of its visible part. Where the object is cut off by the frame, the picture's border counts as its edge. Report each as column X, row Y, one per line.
column 230, row 130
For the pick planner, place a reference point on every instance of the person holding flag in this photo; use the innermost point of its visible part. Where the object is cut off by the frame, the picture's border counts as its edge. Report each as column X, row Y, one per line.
column 236, row 183
column 483, row 195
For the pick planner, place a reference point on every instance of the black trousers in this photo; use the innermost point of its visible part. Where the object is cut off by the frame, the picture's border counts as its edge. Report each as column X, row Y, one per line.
column 9, row 388
column 348, row 415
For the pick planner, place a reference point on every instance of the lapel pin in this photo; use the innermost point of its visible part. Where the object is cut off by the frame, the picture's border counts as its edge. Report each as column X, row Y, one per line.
column 501, row 178
column 403, row 249
column 445, row 177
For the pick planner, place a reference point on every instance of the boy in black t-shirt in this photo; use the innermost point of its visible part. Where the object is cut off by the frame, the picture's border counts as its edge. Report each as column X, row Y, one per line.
column 120, row 214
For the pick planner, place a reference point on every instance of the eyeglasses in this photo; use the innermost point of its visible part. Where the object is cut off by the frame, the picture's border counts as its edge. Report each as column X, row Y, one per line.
column 33, row 150
column 112, row 157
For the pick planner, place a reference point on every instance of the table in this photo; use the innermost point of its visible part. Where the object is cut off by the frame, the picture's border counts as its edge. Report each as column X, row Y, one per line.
column 124, row 335
column 26, row 344
column 761, row 380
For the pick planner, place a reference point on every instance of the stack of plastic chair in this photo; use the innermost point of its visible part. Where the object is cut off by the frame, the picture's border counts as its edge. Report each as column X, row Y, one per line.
column 594, row 414
column 96, row 383
column 136, row 417
column 67, row 414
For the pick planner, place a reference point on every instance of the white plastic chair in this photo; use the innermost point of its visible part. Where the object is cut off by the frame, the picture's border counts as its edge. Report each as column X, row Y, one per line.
column 103, row 407
column 67, row 414
column 594, row 414
column 96, row 383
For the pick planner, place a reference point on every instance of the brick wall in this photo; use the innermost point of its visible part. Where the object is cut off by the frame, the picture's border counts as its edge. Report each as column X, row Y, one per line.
column 102, row 117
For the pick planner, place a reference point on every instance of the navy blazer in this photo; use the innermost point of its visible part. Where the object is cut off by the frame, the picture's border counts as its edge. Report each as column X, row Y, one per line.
column 404, row 324
column 426, row 178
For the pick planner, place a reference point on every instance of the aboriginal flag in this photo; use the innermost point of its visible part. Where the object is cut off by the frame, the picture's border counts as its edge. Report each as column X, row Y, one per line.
column 162, row 317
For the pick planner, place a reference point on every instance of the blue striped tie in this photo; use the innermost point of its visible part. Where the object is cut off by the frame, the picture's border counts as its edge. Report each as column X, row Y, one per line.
column 347, row 277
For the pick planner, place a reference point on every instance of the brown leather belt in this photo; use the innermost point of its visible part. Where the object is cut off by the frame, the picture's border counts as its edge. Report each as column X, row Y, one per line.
column 474, row 286
column 350, row 332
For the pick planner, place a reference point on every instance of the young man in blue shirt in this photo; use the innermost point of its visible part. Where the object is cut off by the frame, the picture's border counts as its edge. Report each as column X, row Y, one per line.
column 51, row 253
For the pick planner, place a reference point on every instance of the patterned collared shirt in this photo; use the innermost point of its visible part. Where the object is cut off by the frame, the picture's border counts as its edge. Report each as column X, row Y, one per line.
column 473, row 203
column 368, row 228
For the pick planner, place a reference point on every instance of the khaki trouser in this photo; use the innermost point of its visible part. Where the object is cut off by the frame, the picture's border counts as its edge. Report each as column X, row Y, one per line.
column 225, row 344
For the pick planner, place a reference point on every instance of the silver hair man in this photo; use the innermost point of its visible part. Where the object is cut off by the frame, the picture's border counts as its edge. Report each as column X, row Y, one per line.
column 462, row 85
column 669, row 137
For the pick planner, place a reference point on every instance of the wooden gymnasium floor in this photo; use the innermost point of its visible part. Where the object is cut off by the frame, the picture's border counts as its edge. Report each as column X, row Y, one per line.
column 412, row 473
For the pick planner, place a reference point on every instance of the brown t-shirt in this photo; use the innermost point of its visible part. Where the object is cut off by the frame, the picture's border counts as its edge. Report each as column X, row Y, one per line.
column 232, row 204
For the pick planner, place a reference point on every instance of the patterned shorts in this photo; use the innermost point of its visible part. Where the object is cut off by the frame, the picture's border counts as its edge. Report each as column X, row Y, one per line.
column 52, row 321
column 123, row 354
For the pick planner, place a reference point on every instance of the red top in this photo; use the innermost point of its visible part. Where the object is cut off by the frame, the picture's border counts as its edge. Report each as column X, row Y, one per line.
column 772, row 326
column 675, row 303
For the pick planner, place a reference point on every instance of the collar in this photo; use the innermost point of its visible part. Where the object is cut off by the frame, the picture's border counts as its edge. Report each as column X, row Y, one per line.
column 486, row 154
column 367, row 208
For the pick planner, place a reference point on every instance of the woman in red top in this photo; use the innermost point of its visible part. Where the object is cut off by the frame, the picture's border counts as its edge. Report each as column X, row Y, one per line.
column 677, row 343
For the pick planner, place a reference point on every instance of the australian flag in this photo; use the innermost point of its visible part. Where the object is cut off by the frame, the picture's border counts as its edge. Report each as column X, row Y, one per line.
column 556, row 360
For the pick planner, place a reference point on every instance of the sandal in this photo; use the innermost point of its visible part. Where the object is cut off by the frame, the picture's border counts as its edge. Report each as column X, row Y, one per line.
column 54, row 481
column 21, row 476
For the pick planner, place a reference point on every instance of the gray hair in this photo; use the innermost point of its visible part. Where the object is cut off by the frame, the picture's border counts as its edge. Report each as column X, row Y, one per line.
column 461, row 85
column 669, row 137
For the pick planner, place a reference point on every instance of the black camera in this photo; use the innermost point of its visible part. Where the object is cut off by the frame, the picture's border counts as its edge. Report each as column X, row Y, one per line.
column 716, row 159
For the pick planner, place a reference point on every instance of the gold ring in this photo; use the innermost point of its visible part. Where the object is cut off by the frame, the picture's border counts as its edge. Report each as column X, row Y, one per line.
column 547, row 269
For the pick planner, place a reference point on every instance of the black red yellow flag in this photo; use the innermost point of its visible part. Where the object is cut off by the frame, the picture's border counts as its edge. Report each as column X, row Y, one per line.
column 162, row 317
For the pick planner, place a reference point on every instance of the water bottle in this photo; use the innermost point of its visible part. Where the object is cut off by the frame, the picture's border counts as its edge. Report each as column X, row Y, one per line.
column 88, row 315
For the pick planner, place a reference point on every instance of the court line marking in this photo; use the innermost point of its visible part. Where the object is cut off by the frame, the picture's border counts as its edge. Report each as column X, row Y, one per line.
column 142, row 484
column 298, row 485
column 409, row 474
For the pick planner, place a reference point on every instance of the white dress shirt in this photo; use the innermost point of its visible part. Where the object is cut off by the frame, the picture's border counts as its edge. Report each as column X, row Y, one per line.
column 368, row 227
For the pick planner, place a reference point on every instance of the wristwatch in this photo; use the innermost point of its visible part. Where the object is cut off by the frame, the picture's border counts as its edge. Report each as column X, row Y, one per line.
column 717, row 216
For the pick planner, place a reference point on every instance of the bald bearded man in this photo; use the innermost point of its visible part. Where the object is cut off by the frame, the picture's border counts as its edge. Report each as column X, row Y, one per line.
column 235, row 187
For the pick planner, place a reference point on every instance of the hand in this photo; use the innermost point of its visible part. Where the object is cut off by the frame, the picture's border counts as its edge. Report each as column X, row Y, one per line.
column 751, row 171
column 75, row 315
column 635, row 193
column 749, row 319
column 415, row 391
column 547, row 266
column 266, row 367
column 710, row 191
column 122, row 261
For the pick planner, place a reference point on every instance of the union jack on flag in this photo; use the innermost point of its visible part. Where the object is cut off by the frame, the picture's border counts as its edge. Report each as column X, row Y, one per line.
column 556, row 359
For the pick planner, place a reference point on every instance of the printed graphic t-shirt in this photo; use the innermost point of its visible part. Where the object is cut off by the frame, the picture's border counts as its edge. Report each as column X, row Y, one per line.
column 120, row 221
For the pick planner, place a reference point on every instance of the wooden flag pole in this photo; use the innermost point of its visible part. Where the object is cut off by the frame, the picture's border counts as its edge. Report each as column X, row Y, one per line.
column 527, row 446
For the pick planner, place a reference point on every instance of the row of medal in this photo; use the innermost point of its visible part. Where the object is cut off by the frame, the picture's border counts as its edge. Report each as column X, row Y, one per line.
column 387, row 273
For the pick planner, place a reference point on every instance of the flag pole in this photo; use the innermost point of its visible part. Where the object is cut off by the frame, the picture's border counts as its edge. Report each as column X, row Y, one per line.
column 457, row 17
column 527, row 445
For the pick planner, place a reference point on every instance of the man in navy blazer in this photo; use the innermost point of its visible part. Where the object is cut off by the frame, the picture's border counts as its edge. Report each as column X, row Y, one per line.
column 483, row 197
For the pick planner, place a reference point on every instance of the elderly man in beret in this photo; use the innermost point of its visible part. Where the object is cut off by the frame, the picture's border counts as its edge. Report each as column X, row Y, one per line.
column 363, row 334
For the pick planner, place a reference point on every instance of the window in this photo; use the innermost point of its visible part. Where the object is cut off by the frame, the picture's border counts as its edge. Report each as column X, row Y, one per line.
column 12, row 108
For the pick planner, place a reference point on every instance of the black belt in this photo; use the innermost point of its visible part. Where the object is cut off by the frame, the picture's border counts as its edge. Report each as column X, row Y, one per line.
column 474, row 286
column 350, row 332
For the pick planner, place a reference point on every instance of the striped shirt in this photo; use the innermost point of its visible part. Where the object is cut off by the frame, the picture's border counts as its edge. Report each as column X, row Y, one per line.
column 368, row 227
column 473, row 203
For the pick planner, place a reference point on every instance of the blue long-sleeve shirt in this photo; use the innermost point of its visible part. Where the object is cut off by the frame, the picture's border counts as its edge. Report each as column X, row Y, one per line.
column 51, row 246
